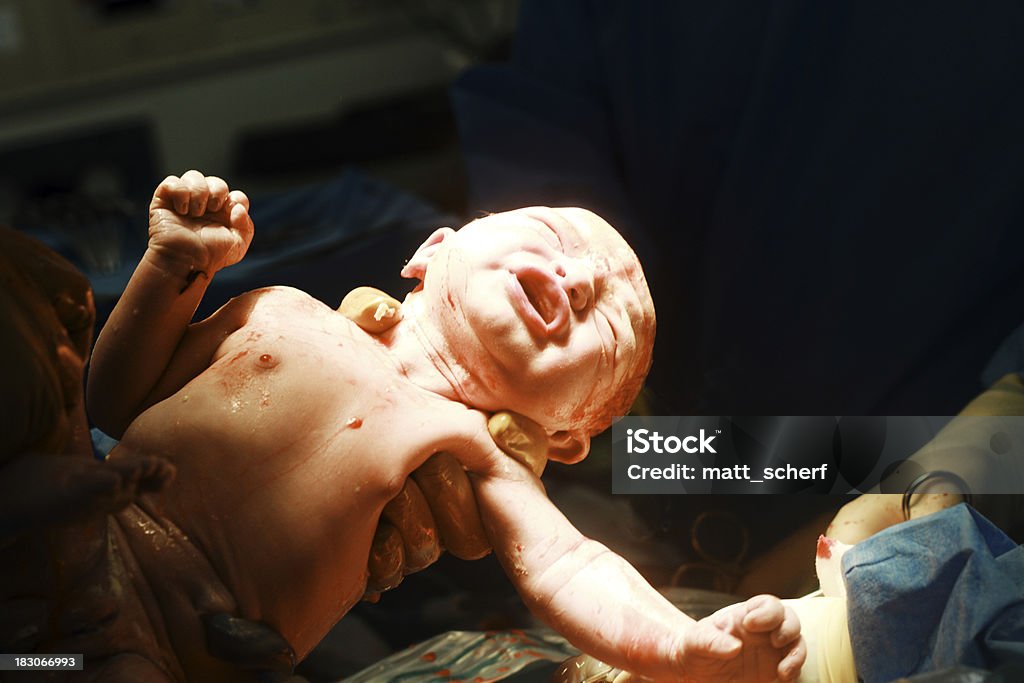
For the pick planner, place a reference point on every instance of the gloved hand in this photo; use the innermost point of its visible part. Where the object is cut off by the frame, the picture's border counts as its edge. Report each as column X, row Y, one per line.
column 436, row 508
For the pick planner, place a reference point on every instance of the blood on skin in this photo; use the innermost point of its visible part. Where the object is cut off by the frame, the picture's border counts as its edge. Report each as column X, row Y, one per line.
column 825, row 547
column 238, row 356
column 354, row 422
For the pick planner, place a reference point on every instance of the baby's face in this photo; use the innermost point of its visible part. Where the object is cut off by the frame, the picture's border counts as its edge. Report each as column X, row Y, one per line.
column 542, row 303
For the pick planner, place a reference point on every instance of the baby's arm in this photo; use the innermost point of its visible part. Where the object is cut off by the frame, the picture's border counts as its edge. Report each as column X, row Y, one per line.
column 603, row 606
column 196, row 227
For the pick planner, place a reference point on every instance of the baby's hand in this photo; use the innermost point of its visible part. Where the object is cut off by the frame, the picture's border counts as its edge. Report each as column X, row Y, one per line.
column 195, row 222
column 772, row 647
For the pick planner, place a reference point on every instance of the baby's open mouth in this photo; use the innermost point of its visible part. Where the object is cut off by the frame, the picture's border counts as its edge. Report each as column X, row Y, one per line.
column 544, row 304
column 537, row 299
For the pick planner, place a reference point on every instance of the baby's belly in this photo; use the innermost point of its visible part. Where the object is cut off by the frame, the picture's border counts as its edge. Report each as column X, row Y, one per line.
column 283, row 470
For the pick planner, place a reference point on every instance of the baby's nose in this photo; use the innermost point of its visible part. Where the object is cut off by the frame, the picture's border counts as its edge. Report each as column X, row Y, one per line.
column 577, row 279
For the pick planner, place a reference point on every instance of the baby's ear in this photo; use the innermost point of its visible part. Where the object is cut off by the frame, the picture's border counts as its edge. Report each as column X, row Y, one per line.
column 568, row 447
column 416, row 268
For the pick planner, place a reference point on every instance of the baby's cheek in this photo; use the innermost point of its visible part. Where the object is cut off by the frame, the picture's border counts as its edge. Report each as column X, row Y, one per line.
column 595, row 365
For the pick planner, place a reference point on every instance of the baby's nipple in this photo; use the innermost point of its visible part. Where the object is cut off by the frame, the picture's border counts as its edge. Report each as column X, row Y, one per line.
column 267, row 361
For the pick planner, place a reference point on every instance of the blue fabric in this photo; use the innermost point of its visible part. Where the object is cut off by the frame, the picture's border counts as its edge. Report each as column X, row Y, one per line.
column 933, row 593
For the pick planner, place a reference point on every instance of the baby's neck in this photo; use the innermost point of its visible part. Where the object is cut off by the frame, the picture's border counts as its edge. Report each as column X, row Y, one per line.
column 424, row 358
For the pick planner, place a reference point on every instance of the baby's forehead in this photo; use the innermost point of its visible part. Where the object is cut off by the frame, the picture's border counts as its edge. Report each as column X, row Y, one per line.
column 582, row 234
column 580, row 231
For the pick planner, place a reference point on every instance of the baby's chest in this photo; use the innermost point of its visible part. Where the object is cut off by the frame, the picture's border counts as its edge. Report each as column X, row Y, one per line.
column 329, row 389
column 300, row 373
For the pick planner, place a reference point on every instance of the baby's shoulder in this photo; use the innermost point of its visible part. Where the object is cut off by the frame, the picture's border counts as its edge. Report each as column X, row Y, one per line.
column 278, row 303
column 285, row 310
column 276, row 295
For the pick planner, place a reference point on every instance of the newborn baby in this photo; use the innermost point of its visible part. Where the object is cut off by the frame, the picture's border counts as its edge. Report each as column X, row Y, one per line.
column 291, row 428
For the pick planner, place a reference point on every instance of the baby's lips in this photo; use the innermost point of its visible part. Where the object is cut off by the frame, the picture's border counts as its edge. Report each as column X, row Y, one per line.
column 547, row 303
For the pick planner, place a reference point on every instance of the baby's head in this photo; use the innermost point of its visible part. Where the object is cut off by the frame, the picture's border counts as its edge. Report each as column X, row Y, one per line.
column 542, row 311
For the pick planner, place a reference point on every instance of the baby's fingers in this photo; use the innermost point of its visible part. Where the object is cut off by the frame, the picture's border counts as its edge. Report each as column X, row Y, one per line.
column 789, row 631
column 239, row 197
column 218, row 193
column 237, row 208
column 190, row 195
column 172, row 193
column 790, row 666
column 198, row 192
column 764, row 613
column 239, row 219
